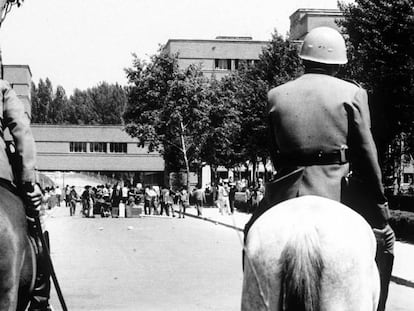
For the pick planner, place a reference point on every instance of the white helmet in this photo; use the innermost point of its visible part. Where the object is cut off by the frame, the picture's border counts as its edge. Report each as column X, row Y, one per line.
column 324, row 45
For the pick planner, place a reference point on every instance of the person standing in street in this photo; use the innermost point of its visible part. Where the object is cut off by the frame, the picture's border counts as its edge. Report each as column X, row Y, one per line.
column 58, row 193
column 184, row 202
column 322, row 143
column 232, row 197
column 223, row 198
column 200, row 199
column 165, row 198
column 147, row 201
column 124, row 193
column 67, row 196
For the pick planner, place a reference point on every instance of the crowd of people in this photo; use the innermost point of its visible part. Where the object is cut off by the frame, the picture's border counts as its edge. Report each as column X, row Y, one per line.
column 153, row 199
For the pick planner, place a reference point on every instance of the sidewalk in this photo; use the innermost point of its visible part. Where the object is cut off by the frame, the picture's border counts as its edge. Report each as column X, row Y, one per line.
column 403, row 271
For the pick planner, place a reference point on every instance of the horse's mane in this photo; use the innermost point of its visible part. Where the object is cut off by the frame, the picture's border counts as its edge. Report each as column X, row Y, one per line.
column 301, row 270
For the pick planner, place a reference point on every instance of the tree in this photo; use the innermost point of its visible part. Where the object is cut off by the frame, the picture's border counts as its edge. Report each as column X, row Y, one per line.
column 167, row 108
column 108, row 102
column 381, row 50
column 56, row 113
column 6, row 6
column 277, row 64
column 48, row 107
column 81, row 108
column 219, row 146
column 41, row 101
column 381, row 54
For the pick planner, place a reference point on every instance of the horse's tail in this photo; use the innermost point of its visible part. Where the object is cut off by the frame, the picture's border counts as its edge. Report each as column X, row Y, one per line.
column 301, row 272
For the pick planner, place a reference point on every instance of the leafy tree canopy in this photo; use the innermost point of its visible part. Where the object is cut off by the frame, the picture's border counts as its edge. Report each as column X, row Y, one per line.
column 381, row 52
column 168, row 108
column 102, row 104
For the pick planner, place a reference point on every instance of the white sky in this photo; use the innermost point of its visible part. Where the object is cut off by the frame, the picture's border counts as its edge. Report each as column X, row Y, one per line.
column 79, row 43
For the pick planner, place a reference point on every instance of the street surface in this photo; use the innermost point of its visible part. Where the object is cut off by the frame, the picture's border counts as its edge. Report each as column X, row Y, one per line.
column 149, row 263
column 155, row 263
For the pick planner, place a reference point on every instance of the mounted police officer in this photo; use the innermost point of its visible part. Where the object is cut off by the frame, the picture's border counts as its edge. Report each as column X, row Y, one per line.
column 320, row 129
column 20, row 177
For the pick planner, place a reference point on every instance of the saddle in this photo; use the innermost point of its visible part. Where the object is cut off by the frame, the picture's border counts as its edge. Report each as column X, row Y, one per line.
column 281, row 189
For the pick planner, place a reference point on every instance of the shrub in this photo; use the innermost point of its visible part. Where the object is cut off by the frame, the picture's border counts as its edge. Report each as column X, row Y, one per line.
column 403, row 224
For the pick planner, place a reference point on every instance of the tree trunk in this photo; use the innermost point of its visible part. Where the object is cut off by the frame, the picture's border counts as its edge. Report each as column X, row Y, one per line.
column 184, row 150
column 249, row 180
column 254, row 172
column 214, row 181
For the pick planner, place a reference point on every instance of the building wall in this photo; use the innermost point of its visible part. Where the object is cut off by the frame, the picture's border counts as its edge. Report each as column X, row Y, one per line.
column 53, row 144
column 207, row 53
column 20, row 77
column 304, row 20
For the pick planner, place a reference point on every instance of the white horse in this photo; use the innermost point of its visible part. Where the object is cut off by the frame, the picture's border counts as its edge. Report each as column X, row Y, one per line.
column 310, row 254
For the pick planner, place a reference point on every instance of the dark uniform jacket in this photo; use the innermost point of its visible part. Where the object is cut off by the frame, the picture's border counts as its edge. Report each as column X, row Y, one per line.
column 17, row 121
column 318, row 116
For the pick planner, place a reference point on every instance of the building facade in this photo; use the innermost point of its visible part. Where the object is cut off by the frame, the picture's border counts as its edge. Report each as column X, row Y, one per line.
column 20, row 78
column 217, row 57
column 304, row 20
column 107, row 150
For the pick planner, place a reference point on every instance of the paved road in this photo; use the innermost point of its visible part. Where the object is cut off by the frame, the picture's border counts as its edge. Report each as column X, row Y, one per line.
column 155, row 264
column 145, row 264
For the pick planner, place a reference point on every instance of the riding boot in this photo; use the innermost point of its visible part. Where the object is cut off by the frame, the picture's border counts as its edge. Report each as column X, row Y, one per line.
column 41, row 290
column 385, row 261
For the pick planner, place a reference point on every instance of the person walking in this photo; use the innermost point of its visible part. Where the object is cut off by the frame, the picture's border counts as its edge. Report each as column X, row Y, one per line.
column 200, row 199
column 320, row 133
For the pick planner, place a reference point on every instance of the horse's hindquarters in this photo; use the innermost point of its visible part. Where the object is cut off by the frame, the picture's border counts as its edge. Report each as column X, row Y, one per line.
column 310, row 240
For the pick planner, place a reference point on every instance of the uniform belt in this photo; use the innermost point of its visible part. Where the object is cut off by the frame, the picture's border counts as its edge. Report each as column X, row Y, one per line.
column 340, row 156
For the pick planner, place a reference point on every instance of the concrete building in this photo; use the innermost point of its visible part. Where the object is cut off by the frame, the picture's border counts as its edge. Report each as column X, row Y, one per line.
column 19, row 77
column 217, row 57
column 304, row 20
column 106, row 150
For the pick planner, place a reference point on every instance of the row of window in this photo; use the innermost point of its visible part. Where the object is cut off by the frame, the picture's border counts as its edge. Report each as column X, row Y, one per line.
column 226, row 64
column 100, row 147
